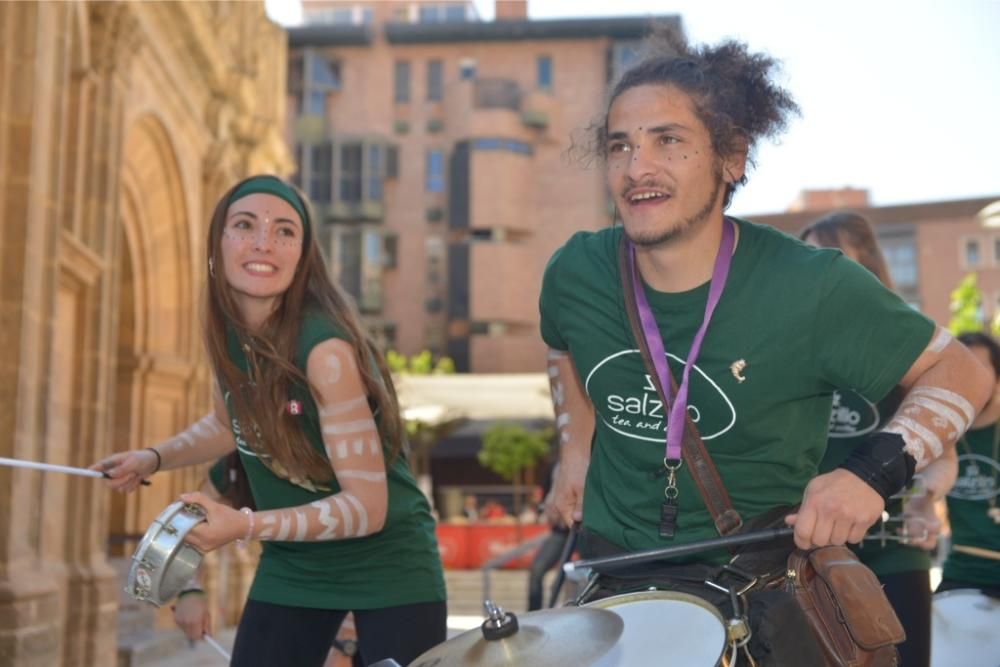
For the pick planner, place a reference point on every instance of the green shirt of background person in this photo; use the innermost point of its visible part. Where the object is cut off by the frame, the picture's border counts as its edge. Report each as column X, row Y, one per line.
column 902, row 568
column 973, row 513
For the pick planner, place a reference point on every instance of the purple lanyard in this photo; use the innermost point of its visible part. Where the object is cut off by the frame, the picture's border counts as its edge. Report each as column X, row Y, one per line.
column 720, row 272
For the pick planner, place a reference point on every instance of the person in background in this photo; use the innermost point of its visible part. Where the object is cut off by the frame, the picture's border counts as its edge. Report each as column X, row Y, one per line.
column 903, row 568
column 974, row 559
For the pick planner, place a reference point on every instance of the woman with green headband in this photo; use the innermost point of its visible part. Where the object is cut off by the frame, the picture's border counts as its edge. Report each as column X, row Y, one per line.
column 306, row 399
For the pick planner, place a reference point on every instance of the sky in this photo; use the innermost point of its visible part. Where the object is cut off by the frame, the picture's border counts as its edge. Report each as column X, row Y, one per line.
column 898, row 97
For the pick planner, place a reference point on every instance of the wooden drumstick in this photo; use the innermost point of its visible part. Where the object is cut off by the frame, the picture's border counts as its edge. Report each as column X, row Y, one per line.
column 217, row 646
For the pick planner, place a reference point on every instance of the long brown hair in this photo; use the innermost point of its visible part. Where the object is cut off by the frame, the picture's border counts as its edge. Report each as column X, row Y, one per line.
column 263, row 413
column 849, row 230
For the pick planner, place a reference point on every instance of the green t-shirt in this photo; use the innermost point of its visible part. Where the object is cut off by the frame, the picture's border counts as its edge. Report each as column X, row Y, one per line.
column 395, row 566
column 805, row 321
column 852, row 418
column 968, row 503
column 217, row 476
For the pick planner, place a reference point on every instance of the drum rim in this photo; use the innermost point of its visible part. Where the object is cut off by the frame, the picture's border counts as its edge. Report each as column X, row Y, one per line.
column 657, row 594
column 648, row 595
column 959, row 592
column 145, row 545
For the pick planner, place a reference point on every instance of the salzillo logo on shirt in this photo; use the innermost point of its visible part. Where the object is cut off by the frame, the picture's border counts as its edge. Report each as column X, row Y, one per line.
column 977, row 478
column 852, row 415
column 626, row 400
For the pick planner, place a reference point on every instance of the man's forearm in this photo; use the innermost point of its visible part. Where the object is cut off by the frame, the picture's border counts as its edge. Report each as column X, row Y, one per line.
column 574, row 414
column 941, row 404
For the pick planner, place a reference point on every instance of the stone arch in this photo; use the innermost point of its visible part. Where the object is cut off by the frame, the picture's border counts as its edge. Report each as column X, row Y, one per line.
column 159, row 370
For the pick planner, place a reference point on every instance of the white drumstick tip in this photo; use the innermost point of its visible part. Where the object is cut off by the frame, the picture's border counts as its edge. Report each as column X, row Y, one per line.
column 569, row 567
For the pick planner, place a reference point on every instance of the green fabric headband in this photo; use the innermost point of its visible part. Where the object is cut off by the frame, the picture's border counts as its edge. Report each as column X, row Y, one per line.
column 272, row 185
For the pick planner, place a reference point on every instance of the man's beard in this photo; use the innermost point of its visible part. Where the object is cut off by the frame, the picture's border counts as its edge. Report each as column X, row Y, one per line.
column 654, row 237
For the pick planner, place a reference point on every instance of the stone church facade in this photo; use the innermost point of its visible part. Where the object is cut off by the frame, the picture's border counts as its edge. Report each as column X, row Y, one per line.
column 121, row 123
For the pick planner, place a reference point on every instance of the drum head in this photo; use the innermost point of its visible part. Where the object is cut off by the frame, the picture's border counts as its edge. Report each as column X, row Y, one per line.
column 965, row 629
column 664, row 628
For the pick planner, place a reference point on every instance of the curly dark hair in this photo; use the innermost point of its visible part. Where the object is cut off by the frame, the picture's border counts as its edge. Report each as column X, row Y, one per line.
column 732, row 90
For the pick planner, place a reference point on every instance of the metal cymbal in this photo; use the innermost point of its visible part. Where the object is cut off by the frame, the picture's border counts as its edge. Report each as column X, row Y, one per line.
column 547, row 638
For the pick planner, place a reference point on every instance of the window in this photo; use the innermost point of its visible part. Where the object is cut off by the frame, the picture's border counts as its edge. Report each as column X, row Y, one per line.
column 971, row 252
column 435, row 80
column 402, row 87
column 374, row 171
column 342, row 16
column 435, row 170
column 392, row 162
column 454, row 14
column 499, row 144
column 350, row 173
column 901, row 259
column 322, row 77
column 320, row 188
column 467, row 68
column 357, row 266
column 545, row 72
column 623, row 55
column 450, row 13
column 297, row 176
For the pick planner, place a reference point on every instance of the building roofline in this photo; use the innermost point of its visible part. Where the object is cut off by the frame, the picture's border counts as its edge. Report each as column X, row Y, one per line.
column 623, row 27
column 898, row 213
column 626, row 27
column 329, row 35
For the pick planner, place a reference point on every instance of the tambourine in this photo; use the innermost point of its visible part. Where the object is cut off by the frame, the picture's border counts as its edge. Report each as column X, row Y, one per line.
column 164, row 563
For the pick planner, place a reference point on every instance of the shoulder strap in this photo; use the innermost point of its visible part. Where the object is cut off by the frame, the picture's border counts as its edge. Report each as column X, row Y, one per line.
column 706, row 477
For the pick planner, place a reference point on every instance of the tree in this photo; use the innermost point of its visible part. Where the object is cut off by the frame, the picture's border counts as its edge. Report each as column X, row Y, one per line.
column 966, row 307
column 509, row 450
column 423, row 430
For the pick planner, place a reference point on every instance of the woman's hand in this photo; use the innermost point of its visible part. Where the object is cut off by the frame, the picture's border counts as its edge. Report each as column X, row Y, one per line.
column 126, row 470
column 221, row 526
column 192, row 616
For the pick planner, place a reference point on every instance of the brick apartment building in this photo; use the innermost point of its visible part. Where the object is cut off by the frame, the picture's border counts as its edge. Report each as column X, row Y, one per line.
column 434, row 145
column 929, row 247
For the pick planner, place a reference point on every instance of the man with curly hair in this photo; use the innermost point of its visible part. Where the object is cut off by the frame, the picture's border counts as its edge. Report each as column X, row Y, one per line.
column 757, row 329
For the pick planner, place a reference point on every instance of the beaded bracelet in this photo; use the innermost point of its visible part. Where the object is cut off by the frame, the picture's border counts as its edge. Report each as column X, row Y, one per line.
column 159, row 459
column 242, row 544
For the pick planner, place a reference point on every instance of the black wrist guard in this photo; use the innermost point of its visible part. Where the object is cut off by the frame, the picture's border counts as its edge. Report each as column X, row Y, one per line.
column 882, row 463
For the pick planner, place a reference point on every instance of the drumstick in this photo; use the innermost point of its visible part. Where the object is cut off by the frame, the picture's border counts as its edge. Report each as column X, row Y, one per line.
column 627, row 559
column 52, row 467
column 217, row 646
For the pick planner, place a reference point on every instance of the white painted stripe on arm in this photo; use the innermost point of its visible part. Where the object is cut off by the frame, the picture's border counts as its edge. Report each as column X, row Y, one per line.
column 284, row 528
column 359, row 446
column 949, row 396
column 373, row 446
column 334, row 409
column 365, row 475
column 929, row 437
column 362, row 514
column 915, row 446
column 300, row 526
column 326, row 519
column 268, row 529
column 562, row 420
column 342, row 449
column 345, row 513
column 942, row 410
column 350, row 427
column 940, row 340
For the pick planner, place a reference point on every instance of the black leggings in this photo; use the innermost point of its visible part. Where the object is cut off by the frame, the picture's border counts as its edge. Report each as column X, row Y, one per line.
column 910, row 595
column 271, row 634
